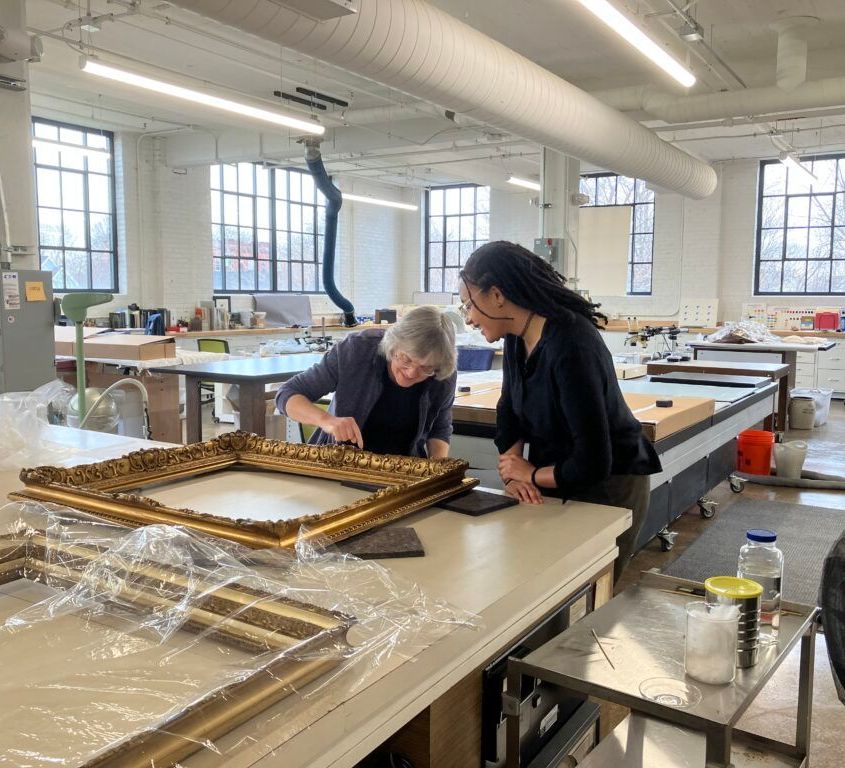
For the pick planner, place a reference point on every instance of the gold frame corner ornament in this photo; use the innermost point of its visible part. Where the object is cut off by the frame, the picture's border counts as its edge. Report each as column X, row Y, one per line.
column 112, row 488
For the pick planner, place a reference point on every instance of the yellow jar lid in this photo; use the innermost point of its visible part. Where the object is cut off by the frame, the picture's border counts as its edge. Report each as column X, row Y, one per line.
column 733, row 587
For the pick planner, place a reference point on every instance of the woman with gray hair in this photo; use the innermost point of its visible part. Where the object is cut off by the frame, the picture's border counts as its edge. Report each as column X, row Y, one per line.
column 393, row 389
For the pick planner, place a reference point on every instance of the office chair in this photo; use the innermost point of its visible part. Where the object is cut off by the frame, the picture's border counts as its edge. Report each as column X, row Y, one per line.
column 210, row 345
column 832, row 601
column 308, row 429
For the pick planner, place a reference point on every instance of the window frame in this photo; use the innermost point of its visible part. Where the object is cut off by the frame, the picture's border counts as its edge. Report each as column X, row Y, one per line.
column 427, row 242
column 275, row 262
column 629, row 283
column 112, row 179
column 758, row 235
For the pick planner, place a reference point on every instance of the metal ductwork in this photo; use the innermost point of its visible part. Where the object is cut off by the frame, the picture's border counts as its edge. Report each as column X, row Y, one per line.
column 334, row 200
column 428, row 54
column 792, row 50
column 769, row 101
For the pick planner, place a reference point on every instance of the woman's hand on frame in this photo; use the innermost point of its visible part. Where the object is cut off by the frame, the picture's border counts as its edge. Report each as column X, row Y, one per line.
column 344, row 429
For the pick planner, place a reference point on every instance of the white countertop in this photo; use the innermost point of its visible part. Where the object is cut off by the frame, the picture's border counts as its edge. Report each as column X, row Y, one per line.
column 511, row 567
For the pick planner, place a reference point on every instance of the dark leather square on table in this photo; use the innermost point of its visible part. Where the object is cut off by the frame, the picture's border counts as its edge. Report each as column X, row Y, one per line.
column 382, row 543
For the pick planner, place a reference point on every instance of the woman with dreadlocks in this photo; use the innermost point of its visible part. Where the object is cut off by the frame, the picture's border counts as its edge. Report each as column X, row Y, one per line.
column 559, row 390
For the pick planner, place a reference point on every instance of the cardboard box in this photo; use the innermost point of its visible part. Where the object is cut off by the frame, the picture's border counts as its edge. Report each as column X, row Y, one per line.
column 130, row 347
column 114, row 346
column 65, row 336
column 629, row 370
column 661, row 422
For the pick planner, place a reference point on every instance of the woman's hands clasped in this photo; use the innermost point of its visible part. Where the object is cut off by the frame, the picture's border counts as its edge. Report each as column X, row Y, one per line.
column 516, row 473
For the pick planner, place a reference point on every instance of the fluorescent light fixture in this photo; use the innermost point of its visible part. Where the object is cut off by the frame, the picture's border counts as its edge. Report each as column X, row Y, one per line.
column 792, row 162
column 634, row 36
column 527, row 183
column 377, row 201
column 197, row 97
column 75, row 149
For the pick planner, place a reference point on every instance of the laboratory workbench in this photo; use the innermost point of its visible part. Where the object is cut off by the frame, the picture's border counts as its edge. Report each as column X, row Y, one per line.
column 694, row 459
column 479, row 564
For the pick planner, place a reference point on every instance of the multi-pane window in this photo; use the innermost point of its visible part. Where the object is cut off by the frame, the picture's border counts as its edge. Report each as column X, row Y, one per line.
column 801, row 228
column 267, row 229
column 74, row 180
column 606, row 189
column 458, row 219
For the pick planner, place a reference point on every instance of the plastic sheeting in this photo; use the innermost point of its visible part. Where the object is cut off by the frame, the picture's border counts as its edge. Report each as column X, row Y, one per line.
column 24, row 417
column 111, row 637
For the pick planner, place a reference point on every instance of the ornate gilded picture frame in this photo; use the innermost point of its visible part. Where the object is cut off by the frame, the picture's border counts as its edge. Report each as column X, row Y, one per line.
column 114, row 489
column 277, row 643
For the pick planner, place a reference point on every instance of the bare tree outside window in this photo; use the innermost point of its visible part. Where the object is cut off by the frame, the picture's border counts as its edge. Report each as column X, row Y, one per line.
column 605, row 189
column 457, row 222
column 74, row 187
column 801, row 229
column 267, row 229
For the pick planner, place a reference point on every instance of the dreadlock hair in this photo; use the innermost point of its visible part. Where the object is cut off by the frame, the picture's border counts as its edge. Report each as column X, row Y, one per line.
column 528, row 281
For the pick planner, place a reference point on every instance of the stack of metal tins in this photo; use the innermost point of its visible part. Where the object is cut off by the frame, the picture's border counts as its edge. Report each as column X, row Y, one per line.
column 745, row 593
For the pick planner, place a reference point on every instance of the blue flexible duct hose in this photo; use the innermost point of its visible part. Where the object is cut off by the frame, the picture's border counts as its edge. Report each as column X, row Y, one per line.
column 334, row 199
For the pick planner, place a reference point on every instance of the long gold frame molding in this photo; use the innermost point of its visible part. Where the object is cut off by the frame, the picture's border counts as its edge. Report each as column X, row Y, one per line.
column 407, row 484
column 246, row 618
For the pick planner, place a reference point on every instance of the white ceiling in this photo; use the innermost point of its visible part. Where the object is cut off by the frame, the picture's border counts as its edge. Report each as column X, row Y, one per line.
column 558, row 34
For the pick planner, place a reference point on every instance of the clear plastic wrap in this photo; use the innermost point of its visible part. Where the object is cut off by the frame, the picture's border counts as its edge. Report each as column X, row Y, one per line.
column 24, row 418
column 744, row 332
column 138, row 647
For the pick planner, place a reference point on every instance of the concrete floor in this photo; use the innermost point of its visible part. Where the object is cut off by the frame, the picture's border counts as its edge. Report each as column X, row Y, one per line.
column 773, row 712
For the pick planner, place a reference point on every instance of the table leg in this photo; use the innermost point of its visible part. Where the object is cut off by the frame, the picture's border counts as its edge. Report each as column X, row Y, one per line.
column 253, row 407
column 718, row 746
column 193, row 410
column 805, row 691
column 783, row 403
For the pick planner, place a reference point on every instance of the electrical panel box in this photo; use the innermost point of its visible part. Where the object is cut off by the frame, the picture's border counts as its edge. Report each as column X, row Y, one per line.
column 27, row 345
column 555, row 251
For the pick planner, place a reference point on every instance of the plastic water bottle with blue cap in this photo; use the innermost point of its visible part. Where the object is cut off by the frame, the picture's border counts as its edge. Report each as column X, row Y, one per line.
column 760, row 560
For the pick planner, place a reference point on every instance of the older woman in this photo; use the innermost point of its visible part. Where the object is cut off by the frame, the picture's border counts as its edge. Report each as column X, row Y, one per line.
column 393, row 389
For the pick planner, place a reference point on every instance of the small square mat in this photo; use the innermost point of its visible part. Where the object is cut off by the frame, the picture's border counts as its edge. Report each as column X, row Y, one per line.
column 478, row 503
column 383, row 543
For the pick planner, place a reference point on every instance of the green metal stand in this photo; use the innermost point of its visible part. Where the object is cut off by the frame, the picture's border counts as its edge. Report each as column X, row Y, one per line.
column 75, row 307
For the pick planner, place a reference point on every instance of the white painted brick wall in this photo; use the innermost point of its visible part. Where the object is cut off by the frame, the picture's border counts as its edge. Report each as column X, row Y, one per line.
column 702, row 248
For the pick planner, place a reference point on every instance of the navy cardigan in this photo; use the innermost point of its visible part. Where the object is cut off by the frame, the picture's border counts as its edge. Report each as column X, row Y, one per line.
column 353, row 369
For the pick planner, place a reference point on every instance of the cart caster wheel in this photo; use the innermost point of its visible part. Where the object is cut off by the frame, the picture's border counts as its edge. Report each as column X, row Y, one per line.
column 215, row 419
column 707, row 507
column 667, row 539
column 737, row 484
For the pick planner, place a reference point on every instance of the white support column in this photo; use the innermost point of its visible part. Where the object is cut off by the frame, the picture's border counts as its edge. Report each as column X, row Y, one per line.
column 16, row 167
column 558, row 216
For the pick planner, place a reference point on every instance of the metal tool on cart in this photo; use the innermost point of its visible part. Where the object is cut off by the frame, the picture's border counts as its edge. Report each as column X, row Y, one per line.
column 642, row 632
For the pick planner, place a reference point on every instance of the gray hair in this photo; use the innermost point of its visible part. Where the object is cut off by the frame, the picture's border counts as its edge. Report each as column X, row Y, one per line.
column 424, row 333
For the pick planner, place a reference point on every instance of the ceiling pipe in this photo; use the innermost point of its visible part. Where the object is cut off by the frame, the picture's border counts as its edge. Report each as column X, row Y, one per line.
column 424, row 52
column 768, row 101
column 792, row 50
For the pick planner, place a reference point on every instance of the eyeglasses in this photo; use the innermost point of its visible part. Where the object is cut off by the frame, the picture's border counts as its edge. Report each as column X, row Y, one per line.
column 408, row 364
column 464, row 308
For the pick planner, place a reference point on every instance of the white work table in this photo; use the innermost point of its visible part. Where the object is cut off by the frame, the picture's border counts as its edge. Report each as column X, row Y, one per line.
column 511, row 567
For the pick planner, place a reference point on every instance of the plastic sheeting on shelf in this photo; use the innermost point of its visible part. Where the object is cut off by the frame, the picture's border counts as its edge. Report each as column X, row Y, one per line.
column 131, row 647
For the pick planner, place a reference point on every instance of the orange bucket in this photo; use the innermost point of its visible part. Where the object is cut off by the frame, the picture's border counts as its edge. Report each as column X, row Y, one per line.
column 754, row 451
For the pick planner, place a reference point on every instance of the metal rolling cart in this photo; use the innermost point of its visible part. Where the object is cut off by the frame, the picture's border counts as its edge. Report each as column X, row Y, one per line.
column 642, row 632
